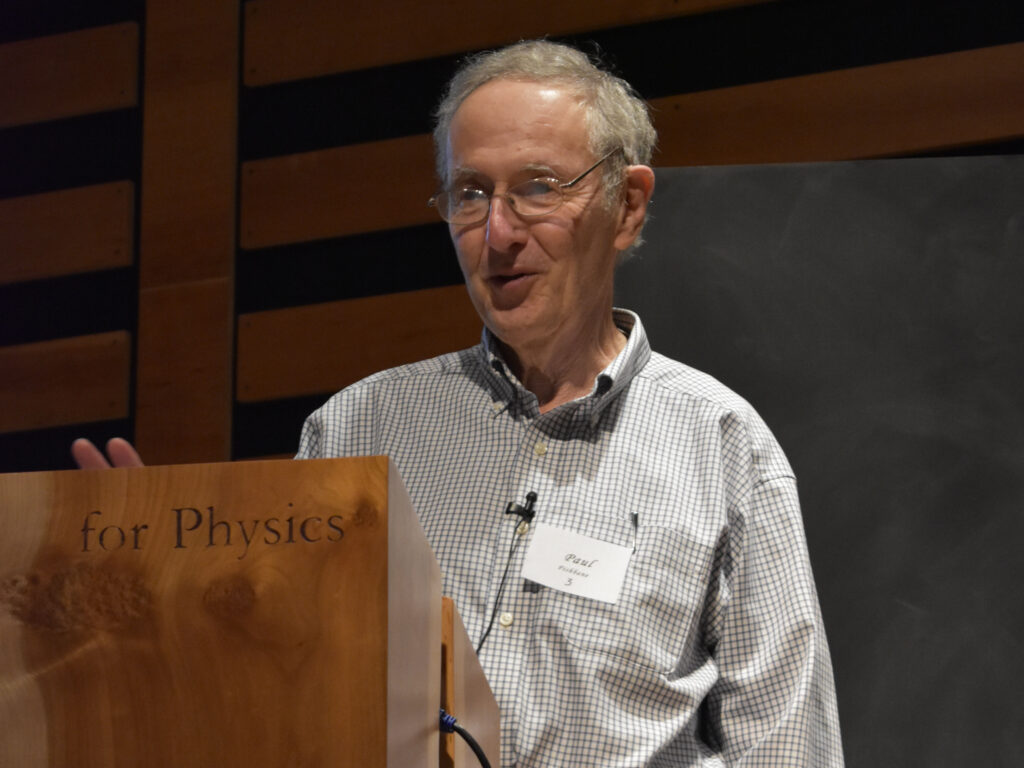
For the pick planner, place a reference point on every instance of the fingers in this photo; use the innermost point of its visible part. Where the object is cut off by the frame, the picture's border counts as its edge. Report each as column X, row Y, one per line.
column 120, row 453
column 87, row 455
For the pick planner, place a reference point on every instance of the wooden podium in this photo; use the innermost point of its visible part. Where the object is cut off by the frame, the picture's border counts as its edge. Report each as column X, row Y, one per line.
column 274, row 613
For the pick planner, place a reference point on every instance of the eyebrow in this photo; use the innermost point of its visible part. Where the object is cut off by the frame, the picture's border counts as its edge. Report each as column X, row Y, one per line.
column 547, row 170
column 463, row 172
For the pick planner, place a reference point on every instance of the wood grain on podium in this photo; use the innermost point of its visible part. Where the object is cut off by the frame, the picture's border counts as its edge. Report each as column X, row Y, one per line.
column 216, row 615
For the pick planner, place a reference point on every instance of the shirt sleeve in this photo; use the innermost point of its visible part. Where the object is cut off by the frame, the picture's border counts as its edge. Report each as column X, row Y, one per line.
column 310, row 442
column 774, row 703
column 346, row 425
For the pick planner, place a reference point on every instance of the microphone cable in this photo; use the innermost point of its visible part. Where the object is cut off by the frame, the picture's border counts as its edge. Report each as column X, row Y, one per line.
column 526, row 513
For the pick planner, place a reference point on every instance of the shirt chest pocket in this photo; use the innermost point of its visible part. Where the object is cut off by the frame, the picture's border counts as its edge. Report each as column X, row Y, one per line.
column 656, row 621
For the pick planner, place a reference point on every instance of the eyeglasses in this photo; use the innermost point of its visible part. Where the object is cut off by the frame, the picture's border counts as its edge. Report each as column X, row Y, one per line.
column 534, row 197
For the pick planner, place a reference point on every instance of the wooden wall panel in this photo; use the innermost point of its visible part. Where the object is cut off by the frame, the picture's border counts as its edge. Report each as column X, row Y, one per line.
column 192, row 204
column 183, row 383
column 66, row 232
column 189, row 160
column 916, row 105
column 334, row 192
column 324, row 347
column 76, row 73
column 187, row 225
column 67, row 381
column 899, row 107
column 288, row 40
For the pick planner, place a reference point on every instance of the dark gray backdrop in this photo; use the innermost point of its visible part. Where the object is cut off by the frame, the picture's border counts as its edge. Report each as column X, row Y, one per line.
column 872, row 312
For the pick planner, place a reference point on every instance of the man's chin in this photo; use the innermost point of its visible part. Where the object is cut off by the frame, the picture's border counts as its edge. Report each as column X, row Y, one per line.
column 513, row 327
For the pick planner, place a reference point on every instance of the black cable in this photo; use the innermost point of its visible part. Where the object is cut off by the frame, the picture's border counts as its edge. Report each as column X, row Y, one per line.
column 501, row 590
column 472, row 745
column 526, row 513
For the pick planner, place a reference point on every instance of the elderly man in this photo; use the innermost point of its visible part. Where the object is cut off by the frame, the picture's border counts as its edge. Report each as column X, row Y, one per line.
column 649, row 601
column 700, row 642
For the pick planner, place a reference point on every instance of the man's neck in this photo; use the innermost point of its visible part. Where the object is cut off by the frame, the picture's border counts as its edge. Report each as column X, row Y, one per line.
column 564, row 368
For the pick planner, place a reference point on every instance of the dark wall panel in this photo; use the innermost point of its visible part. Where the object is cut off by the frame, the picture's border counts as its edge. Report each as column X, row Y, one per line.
column 871, row 312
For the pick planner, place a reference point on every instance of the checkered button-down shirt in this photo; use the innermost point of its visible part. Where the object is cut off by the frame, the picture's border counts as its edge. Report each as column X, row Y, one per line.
column 714, row 653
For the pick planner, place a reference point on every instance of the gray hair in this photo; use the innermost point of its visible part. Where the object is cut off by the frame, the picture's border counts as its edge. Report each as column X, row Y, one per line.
column 616, row 116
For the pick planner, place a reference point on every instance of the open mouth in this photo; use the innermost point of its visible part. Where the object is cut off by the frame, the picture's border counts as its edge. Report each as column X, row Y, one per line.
column 506, row 280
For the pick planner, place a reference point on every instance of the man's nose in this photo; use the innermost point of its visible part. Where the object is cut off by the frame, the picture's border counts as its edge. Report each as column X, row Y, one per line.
column 505, row 229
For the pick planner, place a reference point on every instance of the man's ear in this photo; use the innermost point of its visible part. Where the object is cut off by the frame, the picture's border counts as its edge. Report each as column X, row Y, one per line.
column 638, row 190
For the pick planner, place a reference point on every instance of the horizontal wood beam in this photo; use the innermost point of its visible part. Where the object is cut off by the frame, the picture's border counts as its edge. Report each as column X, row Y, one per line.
column 901, row 107
column 334, row 192
column 76, row 73
column 324, row 347
column 66, row 232
column 65, row 381
column 287, row 40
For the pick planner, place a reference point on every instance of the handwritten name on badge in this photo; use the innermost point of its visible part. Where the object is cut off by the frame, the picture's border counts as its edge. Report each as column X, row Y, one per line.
column 574, row 563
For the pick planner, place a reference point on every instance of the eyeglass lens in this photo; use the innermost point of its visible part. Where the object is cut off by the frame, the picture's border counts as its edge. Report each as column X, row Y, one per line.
column 534, row 197
column 530, row 198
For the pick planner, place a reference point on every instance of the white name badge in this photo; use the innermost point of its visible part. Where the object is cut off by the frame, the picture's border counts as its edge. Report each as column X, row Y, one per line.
column 577, row 564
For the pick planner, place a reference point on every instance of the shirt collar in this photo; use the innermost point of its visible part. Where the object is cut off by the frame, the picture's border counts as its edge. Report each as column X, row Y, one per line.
column 608, row 384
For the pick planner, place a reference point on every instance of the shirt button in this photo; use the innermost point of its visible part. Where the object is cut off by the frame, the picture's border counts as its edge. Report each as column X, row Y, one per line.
column 497, row 406
column 505, row 619
column 522, row 528
column 540, row 448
